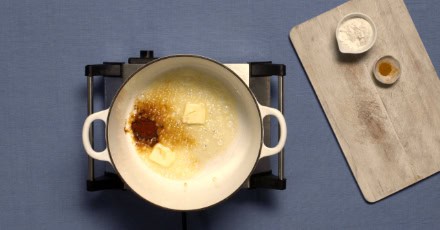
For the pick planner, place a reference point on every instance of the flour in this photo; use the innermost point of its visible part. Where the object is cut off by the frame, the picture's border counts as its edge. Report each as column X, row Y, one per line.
column 354, row 34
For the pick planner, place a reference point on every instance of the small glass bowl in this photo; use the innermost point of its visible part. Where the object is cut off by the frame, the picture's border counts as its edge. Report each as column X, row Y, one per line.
column 387, row 70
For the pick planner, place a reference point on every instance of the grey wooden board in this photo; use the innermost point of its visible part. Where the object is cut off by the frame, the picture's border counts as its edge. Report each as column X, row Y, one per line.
column 390, row 136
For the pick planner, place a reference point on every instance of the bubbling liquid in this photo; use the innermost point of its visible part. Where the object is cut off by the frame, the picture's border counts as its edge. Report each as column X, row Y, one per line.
column 163, row 102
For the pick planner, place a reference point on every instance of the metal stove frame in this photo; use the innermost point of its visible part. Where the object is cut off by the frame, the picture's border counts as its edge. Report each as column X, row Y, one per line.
column 255, row 71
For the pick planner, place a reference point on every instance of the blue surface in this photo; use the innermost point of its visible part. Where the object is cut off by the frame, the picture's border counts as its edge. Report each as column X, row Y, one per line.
column 44, row 46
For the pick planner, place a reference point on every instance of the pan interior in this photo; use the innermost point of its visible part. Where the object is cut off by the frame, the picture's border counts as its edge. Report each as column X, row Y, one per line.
column 217, row 178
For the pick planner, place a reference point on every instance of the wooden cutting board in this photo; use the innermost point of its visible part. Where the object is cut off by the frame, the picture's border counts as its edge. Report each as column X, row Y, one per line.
column 390, row 136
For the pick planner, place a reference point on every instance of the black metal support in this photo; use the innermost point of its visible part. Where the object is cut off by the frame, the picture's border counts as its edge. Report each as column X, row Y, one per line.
column 105, row 182
column 267, row 69
column 91, row 161
column 184, row 221
column 267, row 179
column 115, row 69
column 144, row 57
column 108, row 69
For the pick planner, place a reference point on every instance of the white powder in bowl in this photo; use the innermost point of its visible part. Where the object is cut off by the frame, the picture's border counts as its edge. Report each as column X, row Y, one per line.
column 354, row 34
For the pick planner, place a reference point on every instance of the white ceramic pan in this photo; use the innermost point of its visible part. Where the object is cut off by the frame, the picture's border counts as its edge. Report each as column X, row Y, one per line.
column 213, row 183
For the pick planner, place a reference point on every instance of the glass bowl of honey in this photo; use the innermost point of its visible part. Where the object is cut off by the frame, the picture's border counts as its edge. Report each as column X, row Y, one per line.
column 387, row 70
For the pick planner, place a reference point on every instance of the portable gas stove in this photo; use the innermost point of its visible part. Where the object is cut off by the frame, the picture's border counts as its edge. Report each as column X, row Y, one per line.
column 256, row 74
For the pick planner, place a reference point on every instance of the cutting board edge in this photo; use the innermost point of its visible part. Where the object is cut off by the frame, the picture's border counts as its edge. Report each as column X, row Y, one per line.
column 367, row 195
column 403, row 188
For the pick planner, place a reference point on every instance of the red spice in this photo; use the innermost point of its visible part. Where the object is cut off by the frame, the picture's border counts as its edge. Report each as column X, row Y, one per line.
column 144, row 130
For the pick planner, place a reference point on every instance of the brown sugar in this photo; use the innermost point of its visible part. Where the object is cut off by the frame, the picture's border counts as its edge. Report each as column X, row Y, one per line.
column 152, row 122
column 144, row 130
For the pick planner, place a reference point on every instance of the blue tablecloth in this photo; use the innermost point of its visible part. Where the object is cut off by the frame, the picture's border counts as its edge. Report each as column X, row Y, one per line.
column 44, row 46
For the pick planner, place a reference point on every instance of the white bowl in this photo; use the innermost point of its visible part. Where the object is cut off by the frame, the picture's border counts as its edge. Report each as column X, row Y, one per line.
column 387, row 70
column 358, row 41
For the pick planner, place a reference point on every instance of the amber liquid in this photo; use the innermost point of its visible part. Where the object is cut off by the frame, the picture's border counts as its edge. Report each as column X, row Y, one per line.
column 163, row 102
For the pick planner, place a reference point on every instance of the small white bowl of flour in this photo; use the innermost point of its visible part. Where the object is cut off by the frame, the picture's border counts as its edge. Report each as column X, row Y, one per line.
column 355, row 33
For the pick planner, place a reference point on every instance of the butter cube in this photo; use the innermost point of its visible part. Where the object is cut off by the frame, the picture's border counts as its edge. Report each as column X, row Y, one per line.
column 162, row 155
column 194, row 114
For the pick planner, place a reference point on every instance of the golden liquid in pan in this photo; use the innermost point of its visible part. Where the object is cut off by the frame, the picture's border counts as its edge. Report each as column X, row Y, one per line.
column 163, row 103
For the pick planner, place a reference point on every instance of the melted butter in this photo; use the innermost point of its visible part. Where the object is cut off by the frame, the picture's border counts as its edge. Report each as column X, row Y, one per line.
column 164, row 102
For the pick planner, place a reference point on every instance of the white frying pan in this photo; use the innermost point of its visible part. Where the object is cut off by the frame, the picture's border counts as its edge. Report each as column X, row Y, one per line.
column 216, row 181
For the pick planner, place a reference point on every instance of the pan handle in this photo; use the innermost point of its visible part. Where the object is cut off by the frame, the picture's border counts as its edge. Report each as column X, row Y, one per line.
column 103, row 155
column 269, row 151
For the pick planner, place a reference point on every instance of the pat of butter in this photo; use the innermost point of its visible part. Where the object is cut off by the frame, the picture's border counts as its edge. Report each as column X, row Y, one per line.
column 194, row 114
column 162, row 155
